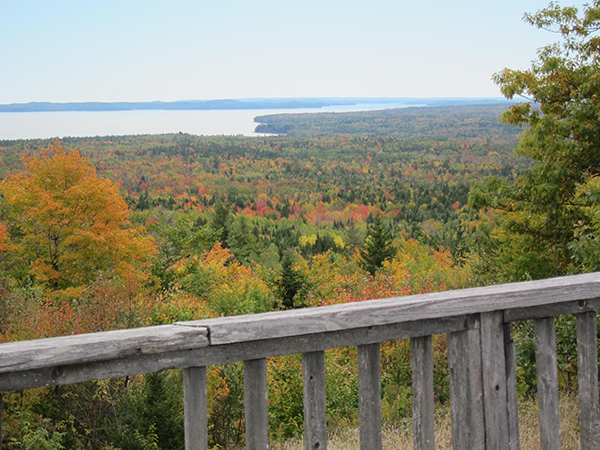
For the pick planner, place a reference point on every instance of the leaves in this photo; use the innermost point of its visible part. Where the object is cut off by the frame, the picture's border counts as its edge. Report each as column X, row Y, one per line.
column 545, row 221
column 314, row 196
column 70, row 224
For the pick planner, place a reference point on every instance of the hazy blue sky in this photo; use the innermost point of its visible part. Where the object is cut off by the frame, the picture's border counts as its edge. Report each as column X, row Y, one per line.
column 147, row 50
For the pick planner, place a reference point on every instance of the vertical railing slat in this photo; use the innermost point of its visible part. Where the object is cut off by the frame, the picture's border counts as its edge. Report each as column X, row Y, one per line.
column 315, row 402
column 195, row 408
column 587, row 357
column 1, row 409
column 466, row 400
column 493, row 370
column 547, row 383
column 422, row 390
column 255, row 404
column 510, row 356
column 369, row 396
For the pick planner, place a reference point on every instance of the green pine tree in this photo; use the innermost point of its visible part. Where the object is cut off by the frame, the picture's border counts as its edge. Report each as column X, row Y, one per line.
column 242, row 242
column 378, row 247
column 222, row 223
column 290, row 281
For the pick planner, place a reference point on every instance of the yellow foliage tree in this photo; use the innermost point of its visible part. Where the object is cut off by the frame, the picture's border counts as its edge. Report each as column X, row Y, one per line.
column 67, row 224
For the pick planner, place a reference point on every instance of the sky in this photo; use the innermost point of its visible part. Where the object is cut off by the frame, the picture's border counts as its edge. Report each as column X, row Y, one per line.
column 127, row 50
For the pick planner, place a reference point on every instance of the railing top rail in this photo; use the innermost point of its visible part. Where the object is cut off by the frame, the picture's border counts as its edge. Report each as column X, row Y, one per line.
column 126, row 352
column 93, row 347
column 397, row 310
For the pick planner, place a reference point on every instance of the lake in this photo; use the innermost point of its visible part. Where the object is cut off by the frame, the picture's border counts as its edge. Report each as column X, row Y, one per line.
column 33, row 125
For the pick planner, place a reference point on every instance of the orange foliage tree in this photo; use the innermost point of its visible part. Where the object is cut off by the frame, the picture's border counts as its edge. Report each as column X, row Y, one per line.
column 67, row 224
column 3, row 237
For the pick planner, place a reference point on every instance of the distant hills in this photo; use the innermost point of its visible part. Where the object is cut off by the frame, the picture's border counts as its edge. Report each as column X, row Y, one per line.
column 238, row 104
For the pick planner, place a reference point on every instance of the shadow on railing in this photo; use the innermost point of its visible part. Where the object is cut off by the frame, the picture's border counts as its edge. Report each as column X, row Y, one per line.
column 481, row 359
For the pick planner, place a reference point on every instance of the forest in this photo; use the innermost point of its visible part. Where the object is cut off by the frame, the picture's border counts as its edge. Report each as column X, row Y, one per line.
column 437, row 122
column 206, row 226
column 117, row 232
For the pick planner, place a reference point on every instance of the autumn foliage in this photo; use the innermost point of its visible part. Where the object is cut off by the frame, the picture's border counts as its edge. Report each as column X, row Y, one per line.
column 67, row 224
column 134, row 231
column 75, row 259
column 119, row 232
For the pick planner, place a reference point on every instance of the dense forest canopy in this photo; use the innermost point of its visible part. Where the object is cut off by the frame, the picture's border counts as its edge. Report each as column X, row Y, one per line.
column 478, row 121
column 224, row 225
column 420, row 185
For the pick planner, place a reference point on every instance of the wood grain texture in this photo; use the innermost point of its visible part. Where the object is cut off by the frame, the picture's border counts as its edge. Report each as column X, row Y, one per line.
column 369, row 396
column 552, row 310
column 510, row 357
column 315, row 403
column 256, row 410
column 195, row 408
column 458, row 367
column 146, row 363
column 466, row 399
column 476, row 384
column 493, row 369
column 87, row 348
column 422, row 384
column 547, row 383
column 587, row 358
column 400, row 309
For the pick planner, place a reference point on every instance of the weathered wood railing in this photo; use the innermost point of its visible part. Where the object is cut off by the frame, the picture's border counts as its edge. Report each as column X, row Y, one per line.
column 481, row 359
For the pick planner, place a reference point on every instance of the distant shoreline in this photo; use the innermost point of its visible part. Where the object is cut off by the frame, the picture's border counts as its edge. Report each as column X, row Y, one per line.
column 233, row 104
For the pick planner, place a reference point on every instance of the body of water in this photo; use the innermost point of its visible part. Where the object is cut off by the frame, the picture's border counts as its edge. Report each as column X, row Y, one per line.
column 34, row 125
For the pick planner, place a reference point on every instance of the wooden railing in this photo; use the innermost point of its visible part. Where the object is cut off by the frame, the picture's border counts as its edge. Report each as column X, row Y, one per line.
column 481, row 359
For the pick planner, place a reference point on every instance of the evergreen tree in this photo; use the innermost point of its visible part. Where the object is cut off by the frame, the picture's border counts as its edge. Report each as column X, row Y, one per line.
column 378, row 247
column 242, row 242
column 290, row 281
column 222, row 223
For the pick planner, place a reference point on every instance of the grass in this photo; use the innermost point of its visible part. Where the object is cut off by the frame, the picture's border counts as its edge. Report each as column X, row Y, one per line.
column 399, row 437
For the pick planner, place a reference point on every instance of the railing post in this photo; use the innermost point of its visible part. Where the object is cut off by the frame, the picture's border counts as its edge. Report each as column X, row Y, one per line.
column 510, row 356
column 422, row 387
column 587, row 357
column 493, row 370
column 1, row 411
column 369, row 396
column 194, row 404
column 547, row 383
column 466, row 396
column 255, row 404
column 315, row 402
